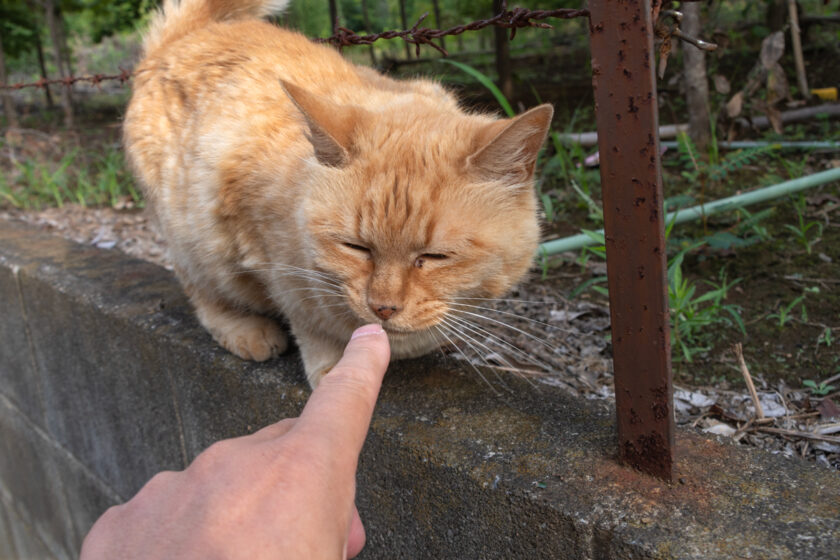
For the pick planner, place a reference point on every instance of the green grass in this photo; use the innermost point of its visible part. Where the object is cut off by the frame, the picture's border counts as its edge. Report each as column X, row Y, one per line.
column 85, row 178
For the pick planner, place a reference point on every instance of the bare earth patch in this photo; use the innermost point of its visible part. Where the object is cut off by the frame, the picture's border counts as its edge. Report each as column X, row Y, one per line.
column 540, row 335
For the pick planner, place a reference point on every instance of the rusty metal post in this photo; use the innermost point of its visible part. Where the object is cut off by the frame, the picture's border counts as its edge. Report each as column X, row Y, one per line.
column 621, row 38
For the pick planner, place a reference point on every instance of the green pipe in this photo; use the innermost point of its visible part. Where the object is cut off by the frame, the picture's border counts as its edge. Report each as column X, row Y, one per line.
column 696, row 212
column 739, row 144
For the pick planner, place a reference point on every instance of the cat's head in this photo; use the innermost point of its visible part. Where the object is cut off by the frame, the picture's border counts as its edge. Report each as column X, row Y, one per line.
column 410, row 209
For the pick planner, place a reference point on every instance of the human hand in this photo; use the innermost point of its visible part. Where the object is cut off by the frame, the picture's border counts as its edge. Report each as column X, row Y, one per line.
column 286, row 491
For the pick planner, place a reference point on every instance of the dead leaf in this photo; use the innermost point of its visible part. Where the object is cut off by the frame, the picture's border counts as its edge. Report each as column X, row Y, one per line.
column 773, row 114
column 772, row 49
column 775, row 117
column 828, row 410
column 734, row 106
column 722, row 85
column 777, row 85
column 664, row 52
column 720, row 429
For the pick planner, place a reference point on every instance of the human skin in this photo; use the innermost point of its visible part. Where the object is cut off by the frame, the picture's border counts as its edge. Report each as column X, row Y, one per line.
column 286, row 491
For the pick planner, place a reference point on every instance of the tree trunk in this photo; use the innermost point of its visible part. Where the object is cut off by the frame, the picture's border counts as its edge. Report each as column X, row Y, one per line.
column 404, row 23
column 438, row 23
column 39, row 49
column 369, row 29
column 8, row 102
column 55, row 39
column 66, row 59
column 796, row 41
column 503, row 66
column 333, row 15
column 696, row 81
column 776, row 17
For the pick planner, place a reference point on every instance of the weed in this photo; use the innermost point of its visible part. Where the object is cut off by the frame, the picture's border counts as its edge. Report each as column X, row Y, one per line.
column 785, row 315
column 567, row 166
column 802, row 228
column 826, row 337
column 820, row 389
column 85, row 179
column 691, row 315
column 484, row 80
column 548, row 206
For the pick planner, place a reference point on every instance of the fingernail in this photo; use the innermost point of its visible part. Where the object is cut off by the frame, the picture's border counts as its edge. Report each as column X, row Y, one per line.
column 367, row 330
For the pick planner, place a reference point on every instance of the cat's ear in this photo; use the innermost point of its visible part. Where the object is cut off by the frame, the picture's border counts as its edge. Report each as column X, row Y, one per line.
column 507, row 149
column 331, row 126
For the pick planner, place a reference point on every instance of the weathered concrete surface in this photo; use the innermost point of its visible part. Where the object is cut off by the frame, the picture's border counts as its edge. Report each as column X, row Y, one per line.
column 107, row 378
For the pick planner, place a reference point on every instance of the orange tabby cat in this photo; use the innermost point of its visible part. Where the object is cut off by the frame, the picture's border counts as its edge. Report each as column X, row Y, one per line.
column 291, row 183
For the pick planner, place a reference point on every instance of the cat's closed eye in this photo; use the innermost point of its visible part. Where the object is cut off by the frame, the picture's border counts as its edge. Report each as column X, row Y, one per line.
column 356, row 247
column 421, row 260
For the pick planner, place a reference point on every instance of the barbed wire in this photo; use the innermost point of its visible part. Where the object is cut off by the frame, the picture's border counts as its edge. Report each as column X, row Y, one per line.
column 514, row 19
column 418, row 36
column 95, row 79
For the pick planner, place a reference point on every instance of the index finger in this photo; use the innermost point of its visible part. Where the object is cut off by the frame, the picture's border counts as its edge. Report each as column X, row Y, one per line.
column 338, row 413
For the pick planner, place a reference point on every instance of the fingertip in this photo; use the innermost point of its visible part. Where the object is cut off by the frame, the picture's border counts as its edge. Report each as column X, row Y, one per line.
column 368, row 330
column 371, row 338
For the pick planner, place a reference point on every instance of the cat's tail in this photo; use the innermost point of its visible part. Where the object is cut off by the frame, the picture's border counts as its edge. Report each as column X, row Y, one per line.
column 180, row 17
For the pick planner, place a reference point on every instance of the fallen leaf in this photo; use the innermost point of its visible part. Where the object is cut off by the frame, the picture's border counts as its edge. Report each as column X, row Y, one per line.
column 777, row 85
column 772, row 49
column 722, row 85
column 734, row 105
column 828, row 410
column 564, row 316
column 694, row 399
column 720, row 429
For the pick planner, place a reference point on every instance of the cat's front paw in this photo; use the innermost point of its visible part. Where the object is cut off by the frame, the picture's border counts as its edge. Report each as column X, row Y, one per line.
column 248, row 335
column 252, row 337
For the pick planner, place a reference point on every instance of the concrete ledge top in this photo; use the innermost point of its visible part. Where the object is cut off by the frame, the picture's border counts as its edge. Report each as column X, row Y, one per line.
column 450, row 470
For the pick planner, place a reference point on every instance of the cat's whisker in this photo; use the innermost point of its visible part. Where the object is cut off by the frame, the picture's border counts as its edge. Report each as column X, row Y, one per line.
column 472, row 365
column 306, row 276
column 493, row 339
column 314, row 290
column 331, row 305
column 551, row 347
column 499, row 340
column 496, row 299
column 304, row 272
column 292, row 274
column 518, row 316
column 322, row 296
column 472, row 342
column 438, row 344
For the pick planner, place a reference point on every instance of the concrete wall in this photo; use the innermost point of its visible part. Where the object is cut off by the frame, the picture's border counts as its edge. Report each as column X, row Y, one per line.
column 106, row 378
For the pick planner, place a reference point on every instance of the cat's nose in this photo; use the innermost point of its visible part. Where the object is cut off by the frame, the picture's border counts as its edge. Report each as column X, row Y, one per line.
column 384, row 310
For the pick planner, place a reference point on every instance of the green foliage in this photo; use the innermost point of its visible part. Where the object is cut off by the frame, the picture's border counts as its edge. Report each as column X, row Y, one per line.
column 86, row 179
column 826, row 337
column 785, row 312
column 716, row 169
column 98, row 19
column 820, row 389
column 484, row 80
column 801, row 230
column 566, row 167
column 17, row 28
column 692, row 313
